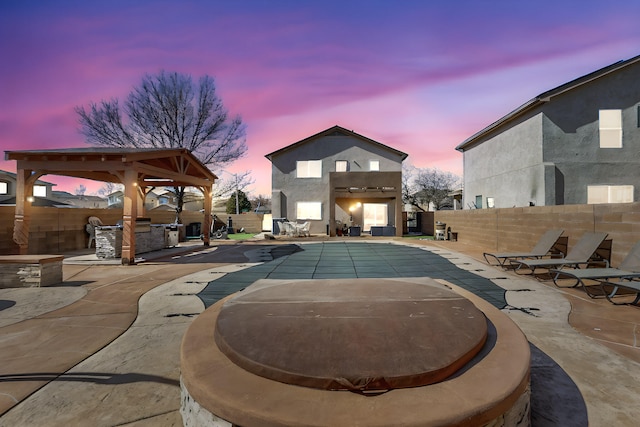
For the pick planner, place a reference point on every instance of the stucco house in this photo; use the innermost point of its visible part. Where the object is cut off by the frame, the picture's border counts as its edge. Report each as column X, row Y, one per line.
column 575, row 144
column 338, row 178
column 42, row 191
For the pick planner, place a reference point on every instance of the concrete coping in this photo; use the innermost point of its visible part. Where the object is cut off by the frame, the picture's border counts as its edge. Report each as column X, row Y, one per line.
column 29, row 259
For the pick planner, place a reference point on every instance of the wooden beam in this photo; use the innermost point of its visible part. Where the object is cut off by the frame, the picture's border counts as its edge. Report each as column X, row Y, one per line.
column 177, row 178
column 129, row 215
column 22, row 216
column 208, row 201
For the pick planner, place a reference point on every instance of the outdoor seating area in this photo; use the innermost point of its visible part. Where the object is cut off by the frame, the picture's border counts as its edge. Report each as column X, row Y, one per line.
column 586, row 265
column 591, row 248
column 551, row 244
column 604, row 281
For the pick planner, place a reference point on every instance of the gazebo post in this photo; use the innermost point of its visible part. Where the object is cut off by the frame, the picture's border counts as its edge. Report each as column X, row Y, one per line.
column 22, row 217
column 129, row 215
column 207, row 191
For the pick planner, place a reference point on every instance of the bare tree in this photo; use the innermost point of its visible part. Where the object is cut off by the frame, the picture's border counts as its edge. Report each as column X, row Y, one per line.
column 80, row 190
column 108, row 188
column 168, row 110
column 424, row 186
column 239, row 181
column 261, row 201
column 409, row 187
column 434, row 186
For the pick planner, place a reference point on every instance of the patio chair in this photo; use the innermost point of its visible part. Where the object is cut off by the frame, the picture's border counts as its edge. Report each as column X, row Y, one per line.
column 289, row 228
column 582, row 254
column 629, row 269
column 550, row 241
column 303, row 229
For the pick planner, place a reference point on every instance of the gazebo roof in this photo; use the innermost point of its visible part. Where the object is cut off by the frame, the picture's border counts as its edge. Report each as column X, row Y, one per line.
column 135, row 168
column 155, row 167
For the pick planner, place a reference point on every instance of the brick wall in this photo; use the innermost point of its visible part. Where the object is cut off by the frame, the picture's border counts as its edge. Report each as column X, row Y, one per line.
column 59, row 230
column 515, row 229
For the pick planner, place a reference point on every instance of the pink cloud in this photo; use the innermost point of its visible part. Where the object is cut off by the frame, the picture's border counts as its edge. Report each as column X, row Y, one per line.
column 421, row 78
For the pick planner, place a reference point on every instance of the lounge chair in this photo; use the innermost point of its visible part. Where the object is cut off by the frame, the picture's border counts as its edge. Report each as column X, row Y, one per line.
column 550, row 241
column 629, row 269
column 583, row 253
column 626, row 284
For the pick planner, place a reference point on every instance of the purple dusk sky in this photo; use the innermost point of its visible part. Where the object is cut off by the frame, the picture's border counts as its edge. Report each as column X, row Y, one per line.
column 419, row 76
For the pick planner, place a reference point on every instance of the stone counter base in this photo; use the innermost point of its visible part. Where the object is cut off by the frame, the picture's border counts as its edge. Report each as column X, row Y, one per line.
column 29, row 271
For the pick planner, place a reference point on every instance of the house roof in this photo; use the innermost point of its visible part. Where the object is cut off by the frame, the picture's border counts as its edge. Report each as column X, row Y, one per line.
column 67, row 195
column 543, row 98
column 331, row 131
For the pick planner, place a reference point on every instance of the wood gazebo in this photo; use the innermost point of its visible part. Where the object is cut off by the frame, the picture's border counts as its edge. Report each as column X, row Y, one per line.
column 136, row 169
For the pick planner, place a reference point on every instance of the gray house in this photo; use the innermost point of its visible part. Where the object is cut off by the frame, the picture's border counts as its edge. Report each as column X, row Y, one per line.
column 575, row 144
column 42, row 191
column 337, row 178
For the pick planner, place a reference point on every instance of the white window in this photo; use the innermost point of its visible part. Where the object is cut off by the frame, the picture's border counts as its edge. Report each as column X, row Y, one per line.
column 610, row 128
column 40, row 191
column 309, row 210
column 342, row 166
column 490, row 202
column 374, row 165
column 4, row 188
column 374, row 214
column 309, row 168
column 609, row 194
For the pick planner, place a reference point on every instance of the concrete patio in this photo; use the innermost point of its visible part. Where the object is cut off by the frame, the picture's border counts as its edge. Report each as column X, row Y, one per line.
column 102, row 349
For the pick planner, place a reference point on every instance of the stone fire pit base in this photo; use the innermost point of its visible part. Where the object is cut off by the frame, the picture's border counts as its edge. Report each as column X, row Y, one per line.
column 491, row 390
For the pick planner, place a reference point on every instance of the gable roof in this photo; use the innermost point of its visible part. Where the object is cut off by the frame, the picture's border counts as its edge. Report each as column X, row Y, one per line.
column 331, row 131
column 545, row 97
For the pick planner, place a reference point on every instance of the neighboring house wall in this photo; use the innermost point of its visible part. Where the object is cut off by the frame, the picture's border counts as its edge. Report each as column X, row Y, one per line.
column 331, row 188
column 548, row 151
column 518, row 164
column 572, row 137
column 8, row 186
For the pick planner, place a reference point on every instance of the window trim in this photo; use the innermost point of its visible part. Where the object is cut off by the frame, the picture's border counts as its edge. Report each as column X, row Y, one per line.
column 377, row 162
column 346, row 165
